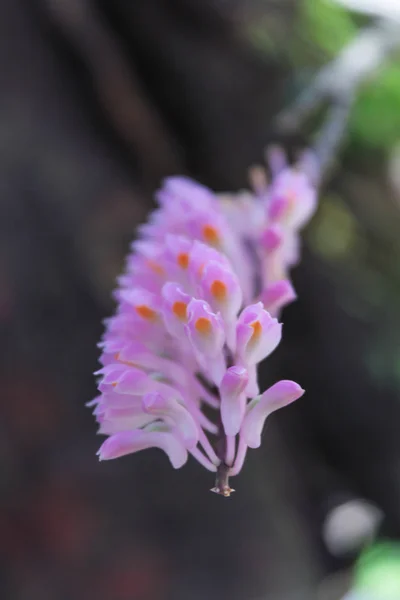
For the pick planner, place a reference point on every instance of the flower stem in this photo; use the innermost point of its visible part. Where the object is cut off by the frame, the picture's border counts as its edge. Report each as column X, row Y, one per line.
column 222, row 486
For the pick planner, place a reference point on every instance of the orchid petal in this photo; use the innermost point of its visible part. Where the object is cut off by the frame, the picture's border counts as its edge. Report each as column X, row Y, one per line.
column 279, row 395
column 127, row 442
column 233, row 399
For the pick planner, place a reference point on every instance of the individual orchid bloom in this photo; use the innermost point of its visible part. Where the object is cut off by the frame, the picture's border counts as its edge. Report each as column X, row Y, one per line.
column 197, row 311
column 258, row 334
column 221, row 288
column 206, row 333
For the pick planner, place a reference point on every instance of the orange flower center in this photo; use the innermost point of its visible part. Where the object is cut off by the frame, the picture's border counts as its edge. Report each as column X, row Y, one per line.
column 211, row 235
column 203, row 325
column 257, row 330
column 218, row 290
column 179, row 309
column 146, row 312
column 183, row 260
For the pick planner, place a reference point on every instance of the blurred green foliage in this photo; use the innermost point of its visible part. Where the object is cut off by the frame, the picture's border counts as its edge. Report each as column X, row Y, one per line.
column 333, row 215
column 326, row 25
column 321, row 30
column 378, row 572
column 375, row 119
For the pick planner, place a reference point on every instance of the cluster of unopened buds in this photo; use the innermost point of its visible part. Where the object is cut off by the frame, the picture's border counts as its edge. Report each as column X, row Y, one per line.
column 197, row 311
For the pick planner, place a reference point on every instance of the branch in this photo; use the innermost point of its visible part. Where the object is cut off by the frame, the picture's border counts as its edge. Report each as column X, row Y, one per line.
column 339, row 80
column 337, row 83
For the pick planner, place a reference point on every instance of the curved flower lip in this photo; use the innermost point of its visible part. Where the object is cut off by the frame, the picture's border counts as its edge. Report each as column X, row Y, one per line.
column 126, row 442
column 279, row 395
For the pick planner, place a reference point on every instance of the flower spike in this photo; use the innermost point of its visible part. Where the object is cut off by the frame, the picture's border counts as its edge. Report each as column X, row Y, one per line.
column 197, row 310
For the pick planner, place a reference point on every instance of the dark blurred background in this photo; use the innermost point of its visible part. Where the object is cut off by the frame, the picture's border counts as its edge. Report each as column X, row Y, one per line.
column 99, row 101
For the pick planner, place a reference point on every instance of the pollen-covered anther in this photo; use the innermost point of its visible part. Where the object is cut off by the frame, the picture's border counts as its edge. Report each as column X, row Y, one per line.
column 203, row 325
column 219, row 290
column 146, row 312
column 180, row 310
column 211, row 235
column 183, row 260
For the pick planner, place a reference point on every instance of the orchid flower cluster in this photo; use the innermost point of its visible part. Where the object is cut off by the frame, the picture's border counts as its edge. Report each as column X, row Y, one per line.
column 197, row 311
